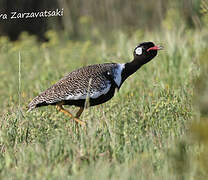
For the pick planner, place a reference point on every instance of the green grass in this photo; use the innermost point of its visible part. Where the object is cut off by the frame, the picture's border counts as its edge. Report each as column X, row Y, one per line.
column 139, row 134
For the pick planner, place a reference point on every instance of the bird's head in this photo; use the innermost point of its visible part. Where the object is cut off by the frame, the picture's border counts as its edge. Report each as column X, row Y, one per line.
column 146, row 51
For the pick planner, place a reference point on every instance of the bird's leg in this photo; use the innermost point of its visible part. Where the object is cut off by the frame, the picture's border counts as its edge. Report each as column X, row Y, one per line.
column 79, row 112
column 61, row 109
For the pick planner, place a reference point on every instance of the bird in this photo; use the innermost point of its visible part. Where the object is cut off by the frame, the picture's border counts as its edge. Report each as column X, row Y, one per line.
column 97, row 83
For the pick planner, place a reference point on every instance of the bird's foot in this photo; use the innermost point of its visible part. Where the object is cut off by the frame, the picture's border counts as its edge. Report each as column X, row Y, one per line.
column 61, row 109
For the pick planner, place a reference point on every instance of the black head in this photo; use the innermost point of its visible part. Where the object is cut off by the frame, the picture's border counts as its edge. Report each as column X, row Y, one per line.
column 145, row 52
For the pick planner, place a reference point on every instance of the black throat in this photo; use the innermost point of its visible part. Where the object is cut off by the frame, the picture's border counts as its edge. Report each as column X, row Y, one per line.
column 133, row 66
column 130, row 68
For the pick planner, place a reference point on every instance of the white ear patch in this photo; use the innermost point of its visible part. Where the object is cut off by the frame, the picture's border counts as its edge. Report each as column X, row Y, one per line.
column 138, row 51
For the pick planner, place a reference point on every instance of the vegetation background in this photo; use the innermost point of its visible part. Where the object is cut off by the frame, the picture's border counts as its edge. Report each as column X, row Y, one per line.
column 156, row 126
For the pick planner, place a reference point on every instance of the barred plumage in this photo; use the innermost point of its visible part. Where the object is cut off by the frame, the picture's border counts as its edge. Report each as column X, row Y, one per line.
column 98, row 82
column 74, row 86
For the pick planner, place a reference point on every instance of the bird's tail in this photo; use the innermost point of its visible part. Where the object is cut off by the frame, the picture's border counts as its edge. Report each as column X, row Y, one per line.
column 34, row 103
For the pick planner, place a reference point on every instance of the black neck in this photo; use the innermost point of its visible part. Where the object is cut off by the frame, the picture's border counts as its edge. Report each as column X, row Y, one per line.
column 130, row 68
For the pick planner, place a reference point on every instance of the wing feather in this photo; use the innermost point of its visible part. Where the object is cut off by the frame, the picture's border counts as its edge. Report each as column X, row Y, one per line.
column 75, row 85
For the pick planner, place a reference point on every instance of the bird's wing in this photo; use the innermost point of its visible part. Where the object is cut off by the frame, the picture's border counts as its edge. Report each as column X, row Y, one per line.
column 90, row 80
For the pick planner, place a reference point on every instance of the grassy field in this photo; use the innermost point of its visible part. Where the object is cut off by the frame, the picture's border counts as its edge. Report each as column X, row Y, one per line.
column 142, row 133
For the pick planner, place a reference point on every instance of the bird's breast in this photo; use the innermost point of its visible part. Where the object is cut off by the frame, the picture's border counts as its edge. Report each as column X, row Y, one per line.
column 117, row 74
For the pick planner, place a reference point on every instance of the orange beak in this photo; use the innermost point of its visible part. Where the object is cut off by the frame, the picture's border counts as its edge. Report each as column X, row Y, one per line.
column 155, row 48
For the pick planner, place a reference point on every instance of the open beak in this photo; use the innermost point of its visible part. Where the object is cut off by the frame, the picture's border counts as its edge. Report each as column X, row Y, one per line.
column 155, row 48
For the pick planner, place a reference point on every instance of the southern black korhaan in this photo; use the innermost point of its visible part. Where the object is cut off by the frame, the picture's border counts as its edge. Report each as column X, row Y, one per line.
column 98, row 82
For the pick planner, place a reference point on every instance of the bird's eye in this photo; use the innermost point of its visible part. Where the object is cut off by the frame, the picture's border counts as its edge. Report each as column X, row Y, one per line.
column 138, row 51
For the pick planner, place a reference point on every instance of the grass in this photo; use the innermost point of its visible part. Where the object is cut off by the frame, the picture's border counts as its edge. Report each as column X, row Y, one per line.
column 139, row 134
